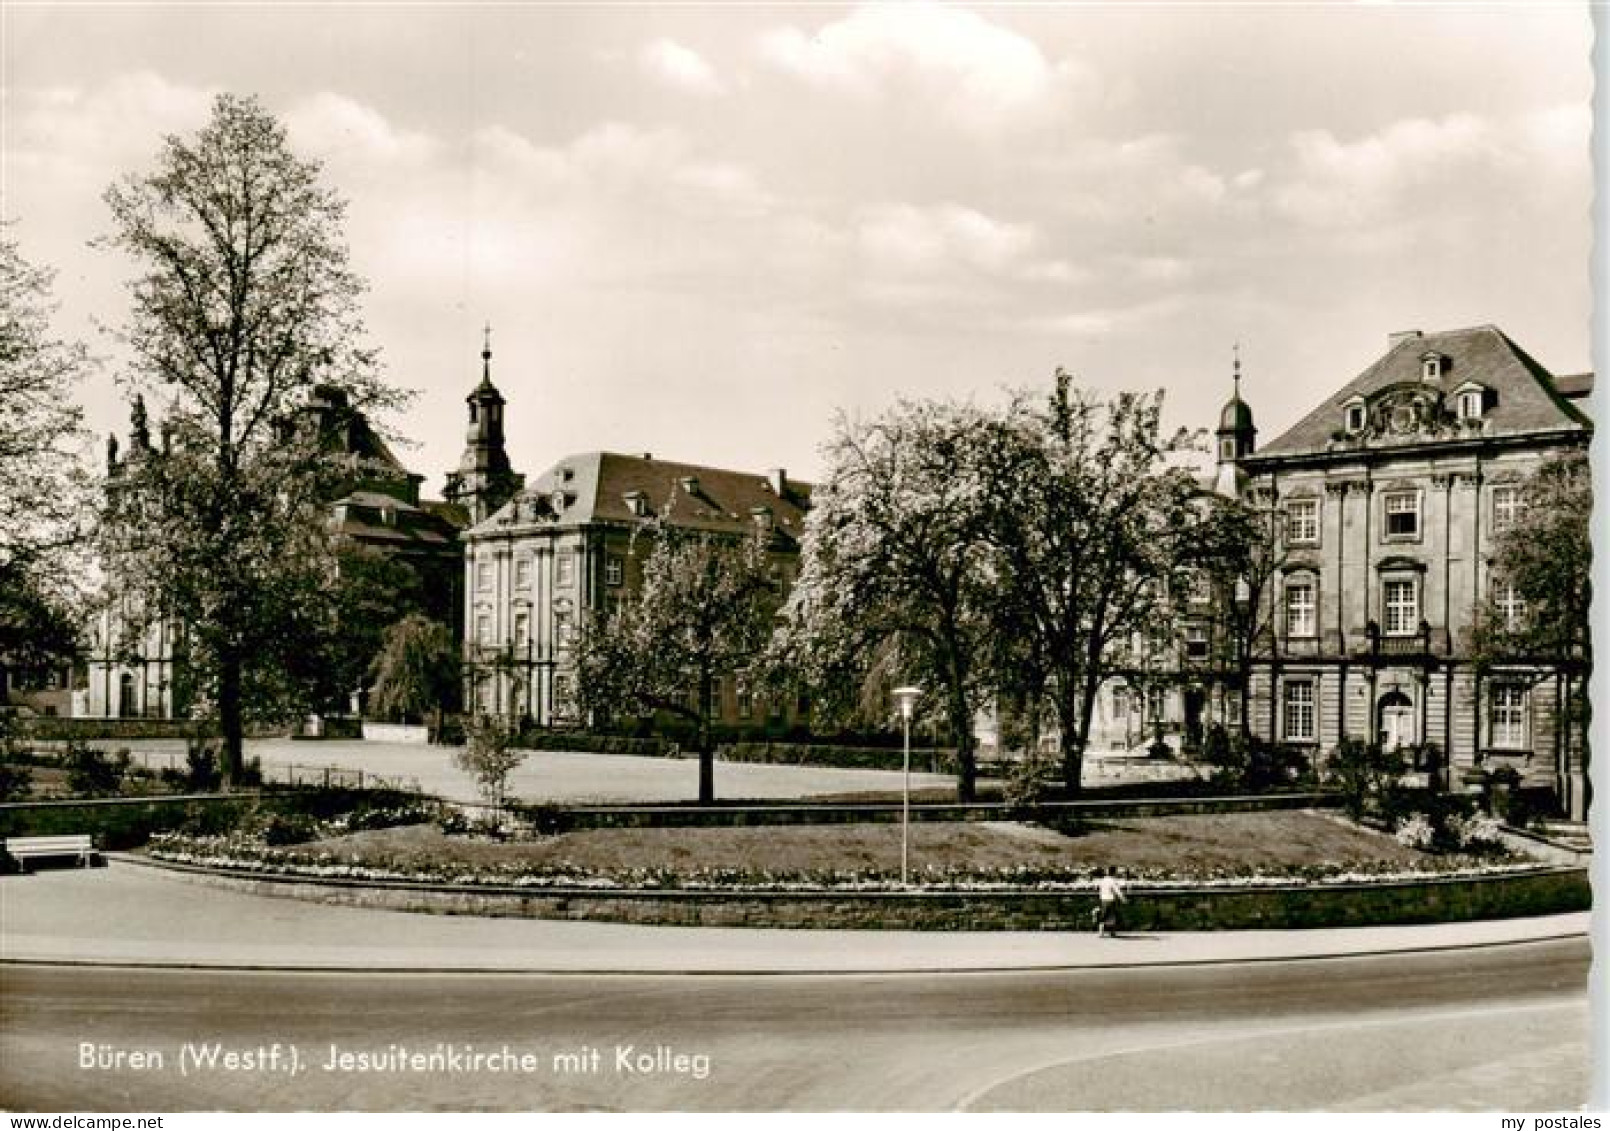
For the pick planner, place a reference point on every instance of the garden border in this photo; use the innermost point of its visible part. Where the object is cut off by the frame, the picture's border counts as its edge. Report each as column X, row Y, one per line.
column 1544, row 890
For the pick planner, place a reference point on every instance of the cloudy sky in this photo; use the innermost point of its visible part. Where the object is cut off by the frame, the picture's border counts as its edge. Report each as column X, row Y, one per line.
column 703, row 231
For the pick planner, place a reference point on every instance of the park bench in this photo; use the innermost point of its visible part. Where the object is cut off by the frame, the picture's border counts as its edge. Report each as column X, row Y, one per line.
column 24, row 848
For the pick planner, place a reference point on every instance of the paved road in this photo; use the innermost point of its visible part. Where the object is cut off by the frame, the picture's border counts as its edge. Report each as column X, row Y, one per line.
column 1497, row 1028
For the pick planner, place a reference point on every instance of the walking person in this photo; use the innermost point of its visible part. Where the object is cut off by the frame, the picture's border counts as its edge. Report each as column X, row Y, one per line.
column 1110, row 893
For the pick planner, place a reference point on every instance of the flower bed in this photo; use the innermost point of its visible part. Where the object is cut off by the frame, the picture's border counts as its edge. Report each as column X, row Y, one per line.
column 1192, row 872
column 243, row 854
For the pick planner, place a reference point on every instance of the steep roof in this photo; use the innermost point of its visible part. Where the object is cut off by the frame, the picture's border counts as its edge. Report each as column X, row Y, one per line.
column 1523, row 396
column 600, row 488
column 377, row 518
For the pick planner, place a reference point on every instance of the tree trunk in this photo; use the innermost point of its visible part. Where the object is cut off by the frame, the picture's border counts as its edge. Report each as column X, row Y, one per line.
column 1072, row 739
column 229, row 716
column 961, row 724
column 707, row 754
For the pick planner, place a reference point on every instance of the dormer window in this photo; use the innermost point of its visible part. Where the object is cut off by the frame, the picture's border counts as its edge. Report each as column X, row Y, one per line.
column 636, row 502
column 1353, row 414
column 1432, row 366
column 1470, row 401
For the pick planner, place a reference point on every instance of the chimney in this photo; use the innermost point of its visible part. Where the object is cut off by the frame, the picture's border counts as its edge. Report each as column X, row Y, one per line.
column 779, row 482
column 1394, row 340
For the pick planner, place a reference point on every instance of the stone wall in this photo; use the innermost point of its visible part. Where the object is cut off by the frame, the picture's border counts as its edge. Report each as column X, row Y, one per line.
column 1545, row 891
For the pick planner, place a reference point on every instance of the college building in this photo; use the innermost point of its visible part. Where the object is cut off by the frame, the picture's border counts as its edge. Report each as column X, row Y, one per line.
column 1385, row 504
column 546, row 556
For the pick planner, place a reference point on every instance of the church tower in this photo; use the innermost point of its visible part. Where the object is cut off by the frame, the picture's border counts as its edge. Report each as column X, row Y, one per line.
column 1236, row 437
column 484, row 480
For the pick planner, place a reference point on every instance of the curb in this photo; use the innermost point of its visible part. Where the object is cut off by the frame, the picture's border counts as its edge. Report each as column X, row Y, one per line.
column 771, row 972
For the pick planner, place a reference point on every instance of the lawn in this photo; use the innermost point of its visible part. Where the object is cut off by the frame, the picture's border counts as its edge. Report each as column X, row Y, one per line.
column 1196, row 845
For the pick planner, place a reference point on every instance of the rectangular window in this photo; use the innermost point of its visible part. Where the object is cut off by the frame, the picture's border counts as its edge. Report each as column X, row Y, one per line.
column 1402, row 603
column 746, row 704
column 1510, row 605
column 483, row 576
column 1506, row 508
column 1299, row 703
column 614, row 570
column 1403, row 514
column 1302, row 521
column 1196, row 642
column 566, row 565
column 1299, row 608
column 561, row 695
column 522, row 629
column 522, row 572
column 1507, row 716
column 563, row 630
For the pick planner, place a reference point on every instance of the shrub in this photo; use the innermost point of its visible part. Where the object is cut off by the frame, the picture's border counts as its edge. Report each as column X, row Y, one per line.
column 90, row 773
column 1028, row 780
column 15, row 782
column 1415, row 831
column 1363, row 773
column 288, row 828
column 488, row 755
column 1477, row 833
column 201, row 769
column 1251, row 764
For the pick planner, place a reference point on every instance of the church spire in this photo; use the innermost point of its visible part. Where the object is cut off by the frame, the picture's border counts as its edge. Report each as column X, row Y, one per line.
column 1236, row 433
column 485, row 479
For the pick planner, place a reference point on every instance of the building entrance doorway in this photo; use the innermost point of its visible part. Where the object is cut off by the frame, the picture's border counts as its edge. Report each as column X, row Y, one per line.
column 1395, row 721
column 1194, row 702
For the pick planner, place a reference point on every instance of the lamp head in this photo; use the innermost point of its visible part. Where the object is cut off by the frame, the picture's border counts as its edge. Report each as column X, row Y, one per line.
column 905, row 698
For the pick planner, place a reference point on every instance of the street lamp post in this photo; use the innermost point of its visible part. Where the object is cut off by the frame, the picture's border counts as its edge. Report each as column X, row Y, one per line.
column 906, row 698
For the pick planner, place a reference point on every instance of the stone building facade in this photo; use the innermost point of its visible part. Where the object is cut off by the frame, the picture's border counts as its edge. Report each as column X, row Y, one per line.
column 573, row 543
column 376, row 506
column 1385, row 503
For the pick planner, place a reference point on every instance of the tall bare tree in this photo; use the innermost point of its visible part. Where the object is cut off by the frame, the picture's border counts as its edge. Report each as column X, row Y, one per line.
column 243, row 302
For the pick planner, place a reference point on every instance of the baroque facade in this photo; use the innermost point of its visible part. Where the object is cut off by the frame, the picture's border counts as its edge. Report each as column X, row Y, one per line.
column 573, row 543
column 136, row 666
column 1385, row 504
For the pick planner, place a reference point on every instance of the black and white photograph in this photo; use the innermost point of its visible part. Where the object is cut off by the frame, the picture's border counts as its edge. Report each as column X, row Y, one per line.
column 898, row 557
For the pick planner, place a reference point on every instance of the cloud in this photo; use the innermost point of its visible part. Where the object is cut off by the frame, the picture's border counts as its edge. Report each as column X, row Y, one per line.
column 973, row 71
column 681, row 67
column 658, row 168
column 904, row 237
column 329, row 125
column 98, row 132
column 1343, row 183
